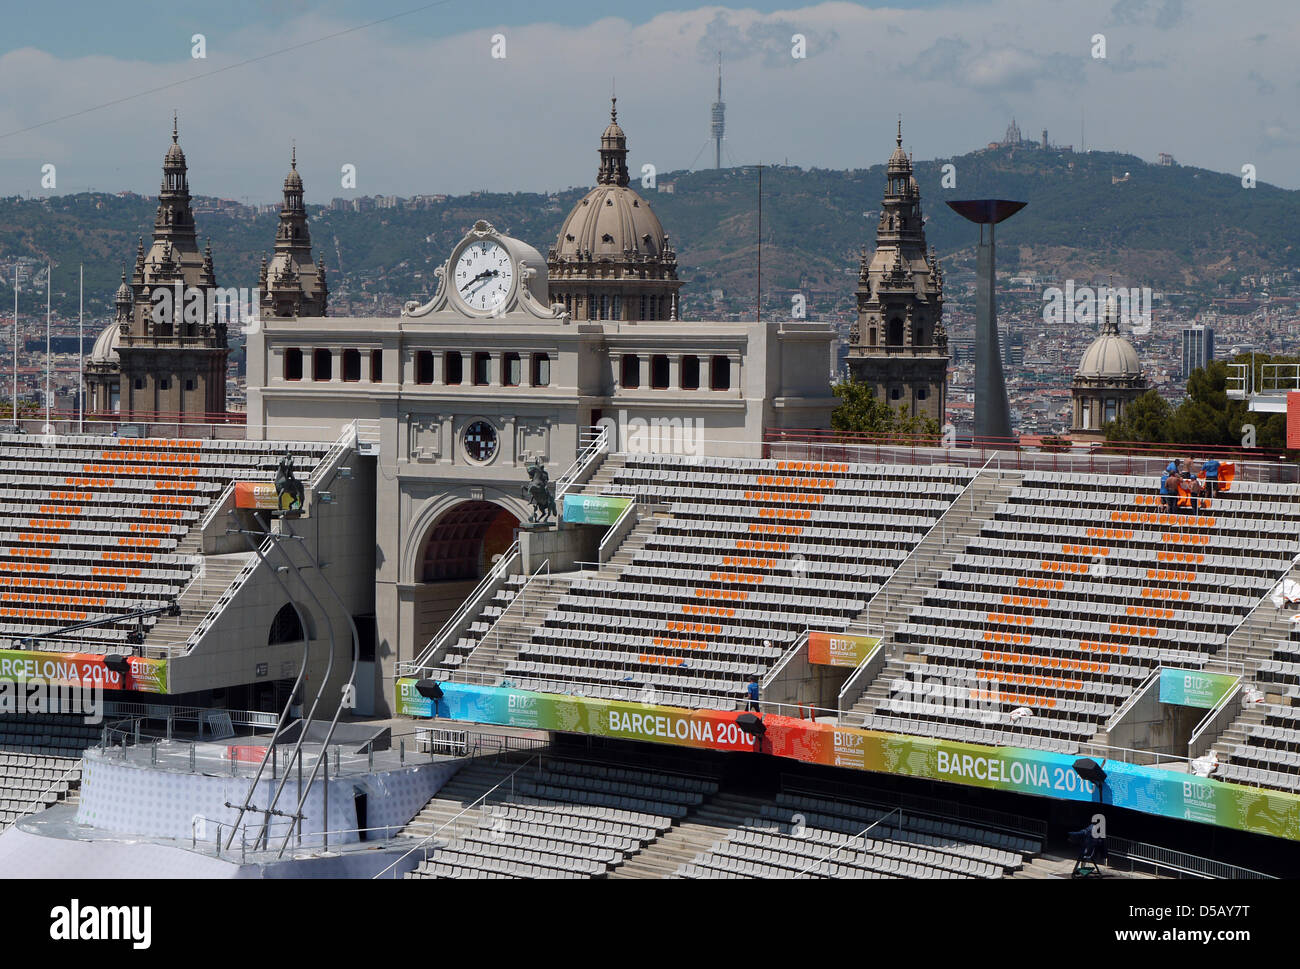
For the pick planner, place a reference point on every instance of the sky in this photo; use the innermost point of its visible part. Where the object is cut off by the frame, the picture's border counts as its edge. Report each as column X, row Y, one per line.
column 411, row 94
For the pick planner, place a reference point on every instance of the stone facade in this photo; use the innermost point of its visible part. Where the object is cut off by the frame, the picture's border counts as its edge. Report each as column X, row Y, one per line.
column 898, row 344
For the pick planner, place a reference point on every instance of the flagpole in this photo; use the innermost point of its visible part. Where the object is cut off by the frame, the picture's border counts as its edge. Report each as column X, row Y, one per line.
column 81, row 350
column 49, row 272
column 15, row 399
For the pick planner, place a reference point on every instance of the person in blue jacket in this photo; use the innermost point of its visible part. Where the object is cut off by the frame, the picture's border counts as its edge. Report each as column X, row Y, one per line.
column 1211, row 468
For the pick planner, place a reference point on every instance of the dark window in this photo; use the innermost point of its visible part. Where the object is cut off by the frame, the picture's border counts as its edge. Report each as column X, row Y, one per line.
column 512, row 374
column 541, row 370
column 139, row 383
column 481, row 441
column 659, row 372
column 690, row 373
column 482, row 367
column 165, row 383
column 424, row 367
column 189, row 383
column 455, row 367
column 720, row 373
column 895, row 333
column 322, row 365
column 922, row 393
column 293, row 364
column 376, row 366
column 351, row 365
column 895, row 394
column 631, row 371
column 285, row 627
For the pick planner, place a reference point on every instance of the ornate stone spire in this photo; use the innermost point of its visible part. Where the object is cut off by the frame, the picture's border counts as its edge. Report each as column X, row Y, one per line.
column 613, row 151
column 1110, row 321
column 297, row 283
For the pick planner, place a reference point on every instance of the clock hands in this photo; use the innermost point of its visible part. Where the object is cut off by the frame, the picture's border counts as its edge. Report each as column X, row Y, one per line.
column 485, row 274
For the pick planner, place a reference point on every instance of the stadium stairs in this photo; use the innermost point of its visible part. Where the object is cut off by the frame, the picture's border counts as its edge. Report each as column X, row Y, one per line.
column 907, row 587
column 1262, row 745
column 498, row 645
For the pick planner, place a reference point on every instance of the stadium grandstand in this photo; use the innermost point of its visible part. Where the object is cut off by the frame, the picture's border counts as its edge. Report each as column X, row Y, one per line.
column 515, row 586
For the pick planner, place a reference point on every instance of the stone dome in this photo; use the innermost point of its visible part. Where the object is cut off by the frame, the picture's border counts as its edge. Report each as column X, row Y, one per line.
column 1110, row 357
column 105, row 349
column 611, row 220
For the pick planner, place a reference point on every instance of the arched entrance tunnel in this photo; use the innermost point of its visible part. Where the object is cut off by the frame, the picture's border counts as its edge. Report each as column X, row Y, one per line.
column 459, row 550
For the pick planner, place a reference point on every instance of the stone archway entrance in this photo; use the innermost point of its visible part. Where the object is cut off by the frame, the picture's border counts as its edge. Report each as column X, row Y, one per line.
column 460, row 548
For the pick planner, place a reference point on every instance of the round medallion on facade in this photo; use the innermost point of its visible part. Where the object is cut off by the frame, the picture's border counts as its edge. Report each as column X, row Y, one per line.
column 480, row 442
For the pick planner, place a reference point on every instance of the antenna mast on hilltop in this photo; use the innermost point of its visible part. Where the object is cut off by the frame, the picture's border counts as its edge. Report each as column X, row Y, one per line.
column 718, row 119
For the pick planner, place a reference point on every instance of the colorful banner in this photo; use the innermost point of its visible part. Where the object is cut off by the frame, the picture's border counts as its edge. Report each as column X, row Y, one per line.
column 1194, row 688
column 84, row 670
column 1154, row 790
column 594, row 509
column 840, row 649
column 261, row 496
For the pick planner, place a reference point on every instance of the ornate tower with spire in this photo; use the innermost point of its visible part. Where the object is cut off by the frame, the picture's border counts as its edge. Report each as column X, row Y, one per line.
column 898, row 344
column 291, row 284
column 613, row 260
column 171, row 342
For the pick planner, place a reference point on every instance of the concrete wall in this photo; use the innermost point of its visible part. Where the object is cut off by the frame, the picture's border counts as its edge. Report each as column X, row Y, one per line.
column 562, row 545
column 341, row 535
column 1150, row 725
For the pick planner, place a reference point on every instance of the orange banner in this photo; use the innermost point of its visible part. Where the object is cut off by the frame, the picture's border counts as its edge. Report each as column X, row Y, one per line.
column 839, row 649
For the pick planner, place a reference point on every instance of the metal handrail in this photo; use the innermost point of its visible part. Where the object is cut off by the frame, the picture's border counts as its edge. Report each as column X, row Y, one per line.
column 587, row 457
column 836, row 851
column 481, row 799
column 1211, row 716
column 39, row 799
column 471, row 604
column 857, row 672
column 788, row 655
column 1179, row 861
column 1132, row 700
column 521, row 597
column 616, row 529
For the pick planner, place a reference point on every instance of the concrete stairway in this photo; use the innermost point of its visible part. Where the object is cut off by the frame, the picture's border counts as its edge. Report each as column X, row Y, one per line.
column 597, row 483
column 918, row 577
column 714, row 820
column 469, row 784
column 499, row 646
column 203, row 593
column 1256, row 638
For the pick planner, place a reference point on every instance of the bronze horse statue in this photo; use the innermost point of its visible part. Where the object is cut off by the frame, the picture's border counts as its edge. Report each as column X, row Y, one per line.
column 538, row 492
column 288, row 489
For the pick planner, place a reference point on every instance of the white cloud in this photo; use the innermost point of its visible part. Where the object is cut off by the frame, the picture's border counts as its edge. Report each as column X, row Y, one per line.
column 418, row 115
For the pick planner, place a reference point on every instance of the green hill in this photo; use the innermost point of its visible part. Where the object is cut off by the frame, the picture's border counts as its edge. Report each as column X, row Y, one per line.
column 1167, row 227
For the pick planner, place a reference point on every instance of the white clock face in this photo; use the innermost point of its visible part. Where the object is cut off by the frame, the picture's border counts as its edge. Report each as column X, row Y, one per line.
column 483, row 275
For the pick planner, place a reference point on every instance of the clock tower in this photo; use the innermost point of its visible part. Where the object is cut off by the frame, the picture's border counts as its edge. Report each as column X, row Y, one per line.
column 898, row 344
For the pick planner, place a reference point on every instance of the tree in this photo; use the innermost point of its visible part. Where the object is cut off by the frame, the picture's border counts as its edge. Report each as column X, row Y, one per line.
column 1147, row 418
column 861, row 412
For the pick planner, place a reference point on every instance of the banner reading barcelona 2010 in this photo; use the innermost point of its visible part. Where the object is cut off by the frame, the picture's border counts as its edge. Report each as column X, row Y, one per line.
column 1153, row 790
column 83, row 670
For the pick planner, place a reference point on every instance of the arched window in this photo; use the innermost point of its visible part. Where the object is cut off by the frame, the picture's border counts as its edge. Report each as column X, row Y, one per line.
column 285, row 627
